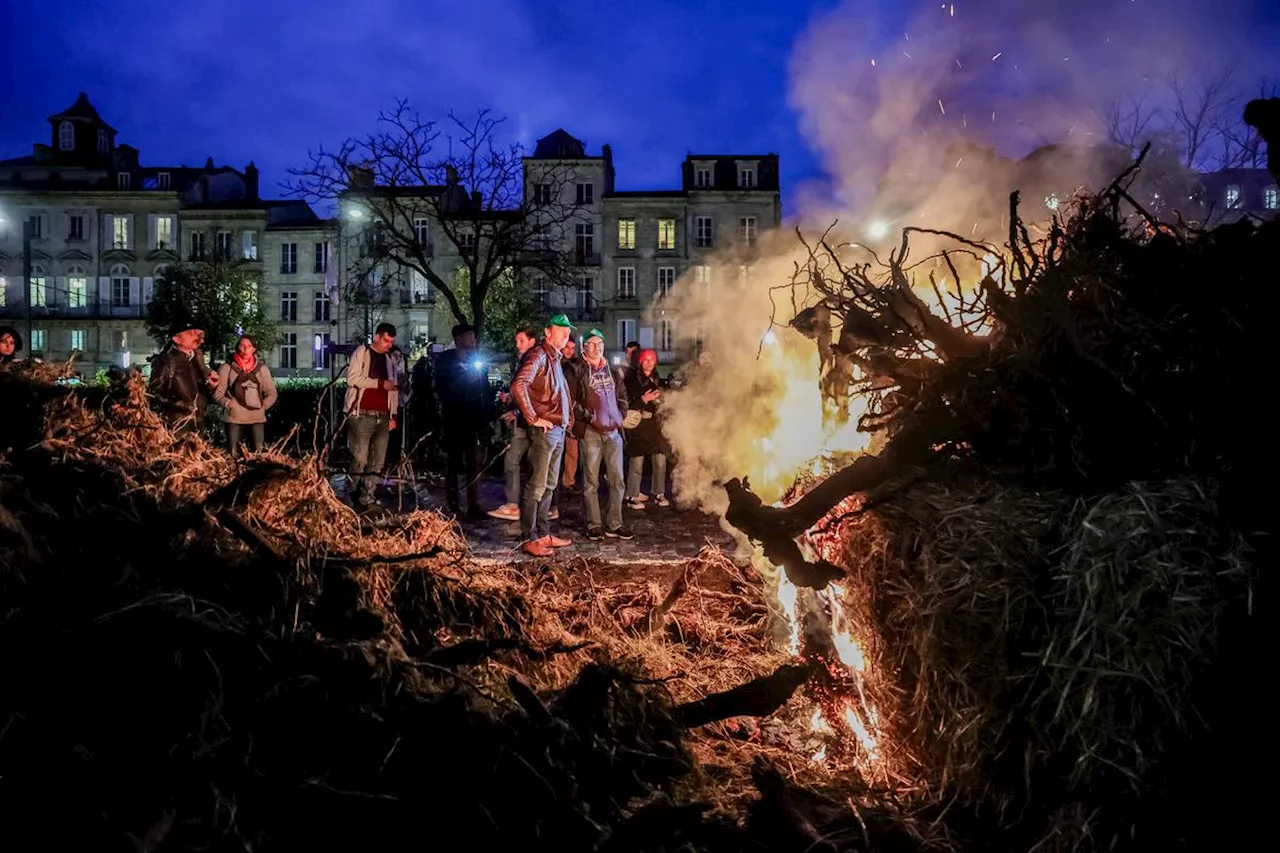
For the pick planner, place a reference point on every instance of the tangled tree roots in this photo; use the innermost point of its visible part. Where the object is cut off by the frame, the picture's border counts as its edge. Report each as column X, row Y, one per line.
column 1054, row 554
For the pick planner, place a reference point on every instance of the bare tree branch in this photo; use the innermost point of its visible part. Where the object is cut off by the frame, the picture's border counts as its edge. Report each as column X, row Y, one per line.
column 421, row 207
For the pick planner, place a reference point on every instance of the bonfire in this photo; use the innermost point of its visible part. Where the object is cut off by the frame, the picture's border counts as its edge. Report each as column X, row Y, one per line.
column 1006, row 606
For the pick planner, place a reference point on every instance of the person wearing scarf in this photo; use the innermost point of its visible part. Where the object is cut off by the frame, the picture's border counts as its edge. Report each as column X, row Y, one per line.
column 246, row 390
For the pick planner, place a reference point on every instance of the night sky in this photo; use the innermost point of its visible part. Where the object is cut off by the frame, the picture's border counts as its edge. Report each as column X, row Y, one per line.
column 265, row 81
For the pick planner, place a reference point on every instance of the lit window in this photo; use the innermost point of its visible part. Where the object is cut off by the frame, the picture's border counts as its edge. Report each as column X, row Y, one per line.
column 119, row 232
column 666, row 233
column 164, row 232
column 77, row 287
column 626, row 233
column 1271, row 198
column 39, row 294
column 37, row 340
column 1233, row 197
column 77, row 340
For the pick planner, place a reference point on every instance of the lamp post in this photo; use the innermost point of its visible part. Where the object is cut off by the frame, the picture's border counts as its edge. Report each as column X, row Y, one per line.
column 28, row 233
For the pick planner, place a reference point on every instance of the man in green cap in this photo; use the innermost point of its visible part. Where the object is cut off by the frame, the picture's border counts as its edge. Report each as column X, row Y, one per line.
column 541, row 394
column 599, row 406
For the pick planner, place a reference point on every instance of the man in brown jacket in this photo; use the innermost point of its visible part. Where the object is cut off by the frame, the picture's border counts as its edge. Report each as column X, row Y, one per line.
column 542, row 396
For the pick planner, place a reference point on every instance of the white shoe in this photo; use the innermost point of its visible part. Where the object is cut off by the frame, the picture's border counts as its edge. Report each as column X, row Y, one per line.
column 506, row 512
column 661, row 500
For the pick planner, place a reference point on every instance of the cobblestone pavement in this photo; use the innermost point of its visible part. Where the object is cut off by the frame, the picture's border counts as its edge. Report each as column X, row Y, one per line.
column 662, row 535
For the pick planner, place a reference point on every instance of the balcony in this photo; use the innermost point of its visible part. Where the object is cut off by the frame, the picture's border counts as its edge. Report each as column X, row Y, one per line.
column 93, row 310
column 586, row 311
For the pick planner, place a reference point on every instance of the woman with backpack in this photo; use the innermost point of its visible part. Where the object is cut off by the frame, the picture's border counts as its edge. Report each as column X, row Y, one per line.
column 246, row 391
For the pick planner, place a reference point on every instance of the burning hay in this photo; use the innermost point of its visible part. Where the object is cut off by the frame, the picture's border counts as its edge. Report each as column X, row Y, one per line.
column 1050, row 557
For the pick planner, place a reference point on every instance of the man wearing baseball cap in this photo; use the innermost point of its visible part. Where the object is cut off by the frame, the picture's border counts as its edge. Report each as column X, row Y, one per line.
column 599, row 405
column 541, row 394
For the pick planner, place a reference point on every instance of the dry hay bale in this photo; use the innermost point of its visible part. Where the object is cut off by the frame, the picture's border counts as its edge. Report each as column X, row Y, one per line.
column 1046, row 655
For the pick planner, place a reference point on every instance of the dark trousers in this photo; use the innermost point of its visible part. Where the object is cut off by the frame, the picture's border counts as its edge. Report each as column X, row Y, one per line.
column 236, row 433
column 462, row 445
column 367, row 437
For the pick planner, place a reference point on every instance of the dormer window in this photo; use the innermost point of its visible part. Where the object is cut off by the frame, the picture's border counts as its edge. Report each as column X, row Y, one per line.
column 66, row 136
column 104, row 145
column 124, row 180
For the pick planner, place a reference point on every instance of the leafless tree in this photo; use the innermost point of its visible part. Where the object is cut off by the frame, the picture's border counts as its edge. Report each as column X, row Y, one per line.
column 1195, row 118
column 419, row 203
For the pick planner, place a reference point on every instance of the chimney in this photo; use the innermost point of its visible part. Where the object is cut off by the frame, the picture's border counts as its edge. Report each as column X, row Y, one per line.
column 606, row 151
column 251, row 181
column 359, row 177
column 450, row 176
column 477, row 198
column 208, row 165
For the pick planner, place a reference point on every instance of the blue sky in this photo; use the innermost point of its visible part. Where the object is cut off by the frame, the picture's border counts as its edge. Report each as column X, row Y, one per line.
column 265, row 81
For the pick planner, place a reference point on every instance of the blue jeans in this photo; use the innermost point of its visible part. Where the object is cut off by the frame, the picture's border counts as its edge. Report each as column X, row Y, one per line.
column 607, row 446
column 367, row 437
column 546, row 451
column 516, row 450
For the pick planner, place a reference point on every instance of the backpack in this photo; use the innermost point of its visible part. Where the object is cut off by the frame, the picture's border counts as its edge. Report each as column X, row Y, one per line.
column 245, row 387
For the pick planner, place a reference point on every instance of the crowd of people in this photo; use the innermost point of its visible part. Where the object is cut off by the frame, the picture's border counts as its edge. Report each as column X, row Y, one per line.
column 568, row 418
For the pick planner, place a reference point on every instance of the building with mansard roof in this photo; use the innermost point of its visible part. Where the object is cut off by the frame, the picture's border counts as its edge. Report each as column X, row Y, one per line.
column 104, row 224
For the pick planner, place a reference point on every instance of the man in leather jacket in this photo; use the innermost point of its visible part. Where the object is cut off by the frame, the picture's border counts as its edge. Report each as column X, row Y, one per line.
column 181, row 384
column 541, row 394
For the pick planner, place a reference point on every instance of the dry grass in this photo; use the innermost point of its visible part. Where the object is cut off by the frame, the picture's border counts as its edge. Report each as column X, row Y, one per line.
column 1039, row 655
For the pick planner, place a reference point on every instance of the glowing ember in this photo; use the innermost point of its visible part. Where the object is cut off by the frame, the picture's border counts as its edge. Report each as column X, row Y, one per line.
column 847, row 648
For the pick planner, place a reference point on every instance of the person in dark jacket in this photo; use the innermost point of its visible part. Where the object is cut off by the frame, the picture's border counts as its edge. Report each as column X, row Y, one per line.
column 599, row 406
column 466, row 407
column 525, row 340
column 181, row 384
column 645, row 440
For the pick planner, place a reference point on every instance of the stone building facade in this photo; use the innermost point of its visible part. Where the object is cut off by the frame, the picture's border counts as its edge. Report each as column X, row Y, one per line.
column 104, row 226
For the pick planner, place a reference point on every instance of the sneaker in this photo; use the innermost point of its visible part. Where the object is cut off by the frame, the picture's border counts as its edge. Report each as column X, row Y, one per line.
column 506, row 512
column 595, row 534
column 557, row 542
column 536, row 548
column 661, row 500
column 634, row 503
column 621, row 533
column 554, row 514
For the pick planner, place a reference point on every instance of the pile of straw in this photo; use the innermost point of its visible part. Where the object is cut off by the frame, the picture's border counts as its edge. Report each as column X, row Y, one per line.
column 1047, row 667
column 200, row 653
